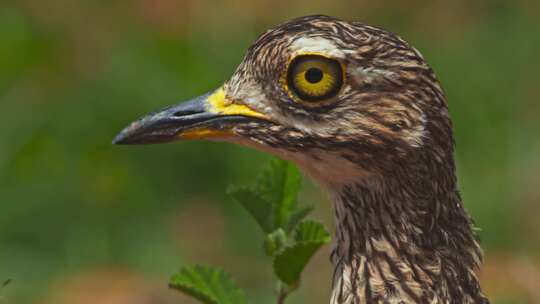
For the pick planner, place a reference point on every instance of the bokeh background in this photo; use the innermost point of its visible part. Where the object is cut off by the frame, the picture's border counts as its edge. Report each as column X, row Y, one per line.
column 82, row 221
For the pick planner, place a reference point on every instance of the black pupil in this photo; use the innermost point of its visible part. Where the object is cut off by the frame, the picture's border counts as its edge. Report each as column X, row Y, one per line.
column 313, row 75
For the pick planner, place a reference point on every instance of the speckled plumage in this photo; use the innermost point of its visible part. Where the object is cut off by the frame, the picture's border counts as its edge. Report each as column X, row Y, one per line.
column 384, row 150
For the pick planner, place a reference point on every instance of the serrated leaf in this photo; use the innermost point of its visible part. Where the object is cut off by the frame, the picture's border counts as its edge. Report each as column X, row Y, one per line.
column 208, row 285
column 279, row 184
column 272, row 200
column 289, row 264
column 275, row 242
column 311, row 231
column 255, row 205
column 297, row 216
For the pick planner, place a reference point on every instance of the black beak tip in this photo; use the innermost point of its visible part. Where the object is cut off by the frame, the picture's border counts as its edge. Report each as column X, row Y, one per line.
column 127, row 135
column 120, row 139
column 143, row 132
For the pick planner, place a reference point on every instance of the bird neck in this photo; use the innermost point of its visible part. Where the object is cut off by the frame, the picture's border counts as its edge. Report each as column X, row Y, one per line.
column 404, row 240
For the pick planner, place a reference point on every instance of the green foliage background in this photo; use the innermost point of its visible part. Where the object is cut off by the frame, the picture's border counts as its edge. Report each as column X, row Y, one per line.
column 82, row 221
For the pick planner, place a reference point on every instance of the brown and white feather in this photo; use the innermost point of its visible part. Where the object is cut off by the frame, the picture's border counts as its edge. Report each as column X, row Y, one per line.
column 384, row 150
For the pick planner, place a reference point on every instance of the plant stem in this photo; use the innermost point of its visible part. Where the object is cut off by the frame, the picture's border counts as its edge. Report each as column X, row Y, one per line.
column 281, row 296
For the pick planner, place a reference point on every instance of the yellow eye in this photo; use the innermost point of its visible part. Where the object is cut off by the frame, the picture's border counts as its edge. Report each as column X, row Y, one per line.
column 314, row 78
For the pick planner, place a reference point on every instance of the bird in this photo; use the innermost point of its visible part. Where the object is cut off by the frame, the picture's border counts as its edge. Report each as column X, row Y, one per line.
column 360, row 111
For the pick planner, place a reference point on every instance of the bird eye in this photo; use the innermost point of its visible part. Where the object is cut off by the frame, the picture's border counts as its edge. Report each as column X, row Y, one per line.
column 314, row 78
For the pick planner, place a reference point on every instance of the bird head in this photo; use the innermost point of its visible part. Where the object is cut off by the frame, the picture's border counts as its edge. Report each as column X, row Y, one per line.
column 342, row 100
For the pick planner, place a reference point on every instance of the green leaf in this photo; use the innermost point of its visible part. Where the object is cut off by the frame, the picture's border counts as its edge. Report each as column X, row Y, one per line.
column 279, row 184
column 311, row 231
column 255, row 205
column 289, row 264
column 208, row 285
column 275, row 242
column 297, row 216
column 272, row 200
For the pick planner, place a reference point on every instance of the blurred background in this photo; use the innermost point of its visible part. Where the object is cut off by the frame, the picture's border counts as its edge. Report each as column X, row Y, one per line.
column 82, row 221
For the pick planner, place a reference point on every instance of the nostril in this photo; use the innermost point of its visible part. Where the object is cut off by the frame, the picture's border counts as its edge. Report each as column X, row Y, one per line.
column 186, row 113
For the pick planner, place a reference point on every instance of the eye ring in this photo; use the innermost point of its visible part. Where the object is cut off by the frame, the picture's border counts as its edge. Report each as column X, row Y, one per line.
column 314, row 78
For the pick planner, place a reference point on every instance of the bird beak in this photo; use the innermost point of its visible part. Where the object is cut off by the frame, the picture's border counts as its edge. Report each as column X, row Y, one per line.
column 211, row 115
